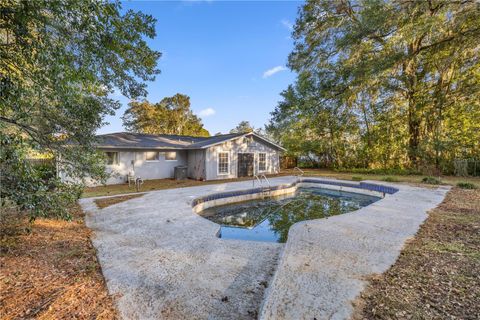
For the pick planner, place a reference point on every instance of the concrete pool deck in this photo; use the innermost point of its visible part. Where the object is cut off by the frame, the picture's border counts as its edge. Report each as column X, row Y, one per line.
column 163, row 261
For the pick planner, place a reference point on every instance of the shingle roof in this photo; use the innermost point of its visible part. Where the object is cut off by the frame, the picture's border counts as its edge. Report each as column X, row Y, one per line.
column 129, row 140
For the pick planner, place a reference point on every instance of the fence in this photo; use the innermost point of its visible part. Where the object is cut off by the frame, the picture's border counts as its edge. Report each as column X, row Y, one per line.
column 467, row 167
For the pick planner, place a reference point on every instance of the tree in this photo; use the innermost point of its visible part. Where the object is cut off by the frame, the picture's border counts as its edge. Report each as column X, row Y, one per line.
column 59, row 62
column 401, row 72
column 172, row 115
column 243, row 127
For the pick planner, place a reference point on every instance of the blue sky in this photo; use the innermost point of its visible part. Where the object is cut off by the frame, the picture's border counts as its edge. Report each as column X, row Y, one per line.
column 229, row 57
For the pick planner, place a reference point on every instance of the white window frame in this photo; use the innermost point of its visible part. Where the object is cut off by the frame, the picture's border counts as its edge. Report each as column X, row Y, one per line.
column 218, row 164
column 176, row 156
column 117, row 158
column 258, row 162
column 156, row 160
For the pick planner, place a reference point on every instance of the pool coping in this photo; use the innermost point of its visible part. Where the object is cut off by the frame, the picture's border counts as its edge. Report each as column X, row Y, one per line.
column 221, row 198
column 326, row 263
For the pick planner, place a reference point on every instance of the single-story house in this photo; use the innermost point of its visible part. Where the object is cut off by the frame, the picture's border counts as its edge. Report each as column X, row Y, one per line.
column 207, row 158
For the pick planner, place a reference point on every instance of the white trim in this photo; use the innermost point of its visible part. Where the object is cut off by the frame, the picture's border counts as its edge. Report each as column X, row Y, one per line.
column 156, row 160
column 118, row 159
column 218, row 164
column 241, row 136
column 165, row 156
column 258, row 162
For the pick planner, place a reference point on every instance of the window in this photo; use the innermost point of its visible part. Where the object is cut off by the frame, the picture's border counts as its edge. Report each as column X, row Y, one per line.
column 112, row 158
column 262, row 162
column 152, row 156
column 223, row 163
column 170, row 156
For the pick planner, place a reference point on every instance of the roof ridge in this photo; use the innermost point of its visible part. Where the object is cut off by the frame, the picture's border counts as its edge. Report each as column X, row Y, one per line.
column 151, row 134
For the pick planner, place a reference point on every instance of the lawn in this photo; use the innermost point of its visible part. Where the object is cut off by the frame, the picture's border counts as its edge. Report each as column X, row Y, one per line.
column 160, row 184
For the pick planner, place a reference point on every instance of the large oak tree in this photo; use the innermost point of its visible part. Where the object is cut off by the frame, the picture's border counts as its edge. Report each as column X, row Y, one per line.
column 59, row 63
column 172, row 115
column 384, row 83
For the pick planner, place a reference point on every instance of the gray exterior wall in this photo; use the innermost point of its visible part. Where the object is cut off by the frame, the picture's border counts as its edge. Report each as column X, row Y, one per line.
column 147, row 170
column 196, row 164
column 236, row 146
column 129, row 160
column 202, row 163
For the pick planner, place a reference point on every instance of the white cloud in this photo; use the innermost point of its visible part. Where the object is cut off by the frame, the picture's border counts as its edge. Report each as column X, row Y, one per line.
column 272, row 71
column 207, row 112
column 287, row 24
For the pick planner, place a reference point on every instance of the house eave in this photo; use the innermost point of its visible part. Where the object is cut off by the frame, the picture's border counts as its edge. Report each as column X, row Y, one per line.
column 138, row 148
column 244, row 135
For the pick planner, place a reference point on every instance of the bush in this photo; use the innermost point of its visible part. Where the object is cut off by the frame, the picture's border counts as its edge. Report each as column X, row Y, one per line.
column 45, row 171
column 431, row 180
column 390, row 179
column 394, row 171
column 357, row 178
column 466, row 185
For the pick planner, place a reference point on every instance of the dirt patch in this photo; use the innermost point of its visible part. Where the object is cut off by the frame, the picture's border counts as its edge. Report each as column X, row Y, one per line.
column 106, row 202
column 436, row 275
column 53, row 273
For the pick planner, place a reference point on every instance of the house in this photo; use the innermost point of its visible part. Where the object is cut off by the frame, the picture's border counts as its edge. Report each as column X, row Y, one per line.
column 206, row 158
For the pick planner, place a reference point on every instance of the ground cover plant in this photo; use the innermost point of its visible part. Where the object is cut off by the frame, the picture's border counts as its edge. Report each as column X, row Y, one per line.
column 466, row 185
column 431, row 180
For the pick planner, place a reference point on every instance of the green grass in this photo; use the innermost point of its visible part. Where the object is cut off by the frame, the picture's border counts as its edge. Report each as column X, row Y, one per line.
column 431, row 180
column 357, row 178
column 466, row 185
column 390, row 179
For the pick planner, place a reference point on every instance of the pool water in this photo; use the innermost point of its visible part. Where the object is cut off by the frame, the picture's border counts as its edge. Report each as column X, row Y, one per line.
column 270, row 219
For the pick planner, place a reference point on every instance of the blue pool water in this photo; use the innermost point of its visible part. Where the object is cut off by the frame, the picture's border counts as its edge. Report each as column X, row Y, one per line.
column 270, row 219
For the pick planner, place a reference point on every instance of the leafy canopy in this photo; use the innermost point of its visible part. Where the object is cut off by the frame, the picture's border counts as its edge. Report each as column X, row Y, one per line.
column 242, row 127
column 172, row 115
column 384, row 83
column 59, row 60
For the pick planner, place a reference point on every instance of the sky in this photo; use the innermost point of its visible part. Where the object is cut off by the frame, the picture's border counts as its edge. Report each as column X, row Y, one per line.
column 229, row 57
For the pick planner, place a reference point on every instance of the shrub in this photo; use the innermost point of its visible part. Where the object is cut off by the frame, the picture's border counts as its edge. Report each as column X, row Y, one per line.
column 393, row 171
column 357, row 178
column 466, row 185
column 431, row 180
column 390, row 179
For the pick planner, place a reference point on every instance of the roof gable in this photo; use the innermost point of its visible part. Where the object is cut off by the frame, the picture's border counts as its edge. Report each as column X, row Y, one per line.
column 130, row 140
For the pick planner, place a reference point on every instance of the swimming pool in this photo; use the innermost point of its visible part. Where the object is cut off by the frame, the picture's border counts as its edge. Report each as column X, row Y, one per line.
column 269, row 219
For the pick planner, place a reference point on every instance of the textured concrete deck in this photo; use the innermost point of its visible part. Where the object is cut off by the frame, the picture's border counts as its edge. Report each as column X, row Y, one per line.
column 325, row 262
column 165, row 262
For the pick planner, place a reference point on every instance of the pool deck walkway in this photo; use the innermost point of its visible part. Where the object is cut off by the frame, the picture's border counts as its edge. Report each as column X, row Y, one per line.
column 163, row 261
